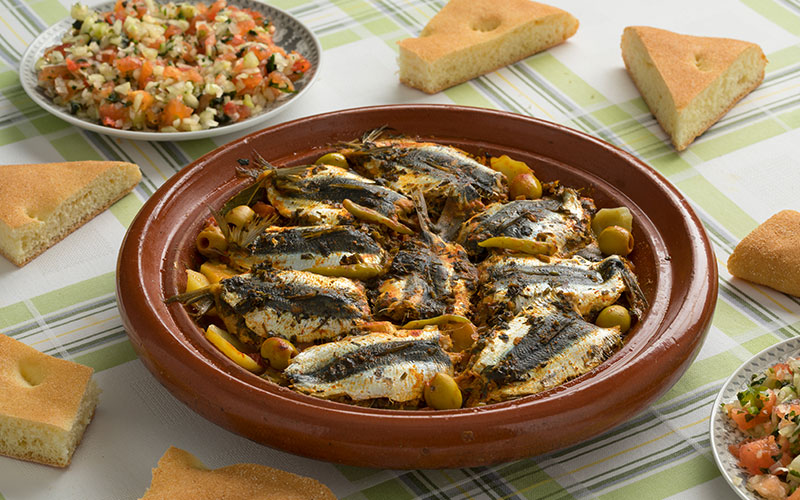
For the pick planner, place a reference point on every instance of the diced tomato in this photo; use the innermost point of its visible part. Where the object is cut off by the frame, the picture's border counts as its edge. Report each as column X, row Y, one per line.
column 782, row 371
column 58, row 48
column 110, row 113
column 106, row 56
column 146, row 102
column 747, row 421
column 214, row 9
column 192, row 75
column 145, row 73
column 236, row 40
column 128, row 64
column 74, row 66
column 252, row 80
column 172, row 72
column 243, row 26
column 301, row 65
column 171, row 31
column 208, row 44
column 257, row 16
column 53, row 71
column 759, row 455
column 236, row 112
column 175, row 110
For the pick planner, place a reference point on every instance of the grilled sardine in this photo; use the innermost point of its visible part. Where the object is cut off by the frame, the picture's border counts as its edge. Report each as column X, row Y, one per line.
column 428, row 277
column 324, row 249
column 297, row 305
column 542, row 347
column 377, row 365
column 314, row 194
column 563, row 221
column 441, row 172
column 509, row 283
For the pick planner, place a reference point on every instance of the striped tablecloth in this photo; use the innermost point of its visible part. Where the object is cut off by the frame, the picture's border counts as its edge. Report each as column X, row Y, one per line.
column 736, row 175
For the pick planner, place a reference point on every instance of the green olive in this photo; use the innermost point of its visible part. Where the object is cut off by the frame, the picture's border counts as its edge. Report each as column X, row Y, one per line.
column 615, row 315
column 525, row 185
column 278, row 352
column 463, row 336
column 615, row 240
column 442, row 392
column 612, row 217
column 335, row 159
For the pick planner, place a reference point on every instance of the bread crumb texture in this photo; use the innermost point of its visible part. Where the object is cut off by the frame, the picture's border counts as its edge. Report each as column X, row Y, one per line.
column 42, row 203
column 46, row 404
column 181, row 476
column 690, row 82
column 770, row 255
column 469, row 38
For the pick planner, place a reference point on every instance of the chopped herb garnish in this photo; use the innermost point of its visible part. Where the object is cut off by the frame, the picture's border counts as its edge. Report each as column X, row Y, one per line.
column 243, row 161
column 77, row 25
column 271, row 66
column 113, row 97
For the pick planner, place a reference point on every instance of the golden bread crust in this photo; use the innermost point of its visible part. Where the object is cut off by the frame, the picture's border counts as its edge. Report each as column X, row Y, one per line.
column 180, row 475
column 770, row 254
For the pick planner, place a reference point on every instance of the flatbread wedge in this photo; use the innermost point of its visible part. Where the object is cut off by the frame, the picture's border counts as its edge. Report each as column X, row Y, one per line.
column 690, row 82
column 40, row 204
column 469, row 38
column 181, row 476
column 46, row 404
column 770, row 254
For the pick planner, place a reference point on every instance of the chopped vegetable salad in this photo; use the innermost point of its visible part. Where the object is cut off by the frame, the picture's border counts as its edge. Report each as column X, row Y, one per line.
column 768, row 411
column 168, row 67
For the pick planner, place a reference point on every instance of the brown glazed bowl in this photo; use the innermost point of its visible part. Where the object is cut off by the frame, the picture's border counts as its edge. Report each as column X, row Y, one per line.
column 673, row 259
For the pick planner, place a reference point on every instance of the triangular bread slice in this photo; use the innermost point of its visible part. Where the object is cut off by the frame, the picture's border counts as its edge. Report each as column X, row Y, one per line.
column 690, row 82
column 469, row 38
column 181, row 476
column 42, row 203
column 770, row 254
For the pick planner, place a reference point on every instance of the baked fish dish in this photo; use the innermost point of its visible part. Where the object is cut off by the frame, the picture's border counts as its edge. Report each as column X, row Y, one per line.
column 411, row 275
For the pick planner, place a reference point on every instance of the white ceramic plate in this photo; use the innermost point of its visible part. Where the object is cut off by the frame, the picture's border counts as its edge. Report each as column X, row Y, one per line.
column 291, row 35
column 723, row 432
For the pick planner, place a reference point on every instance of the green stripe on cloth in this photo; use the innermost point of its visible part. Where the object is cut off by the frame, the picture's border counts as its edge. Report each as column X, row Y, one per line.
column 670, row 164
column 197, row 148
column 565, row 80
column 722, row 209
column 14, row 314
column 8, row 79
column 791, row 118
column 108, row 357
column 389, row 490
column 22, row 102
column 48, row 124
column 776, row 13
column 381, row 26
column 126, row 209
column 674, row 480
column 338, row 39
column 73, row 294
column 731, row 321
column 532, row 482
column 782, row 58
column 738, row 139
column 703, row 372
column 760, row 343
column 289, row 4
column 51, row 11
column 467, row 95
column 356, row 473
column 611, row 115
column 9, row 135
column 73, row 147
